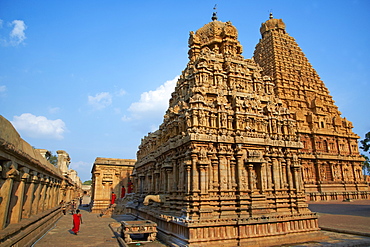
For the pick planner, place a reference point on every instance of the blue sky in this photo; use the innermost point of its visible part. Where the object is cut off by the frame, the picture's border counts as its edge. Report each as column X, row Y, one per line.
column 93, row 77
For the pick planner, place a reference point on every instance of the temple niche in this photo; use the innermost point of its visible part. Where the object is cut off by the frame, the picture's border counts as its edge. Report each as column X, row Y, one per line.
column 225, row 166
column 109, row 175
column 63, row 162
column 330, row 158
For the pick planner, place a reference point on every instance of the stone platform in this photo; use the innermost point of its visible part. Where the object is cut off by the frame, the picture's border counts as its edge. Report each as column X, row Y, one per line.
column 341, row 217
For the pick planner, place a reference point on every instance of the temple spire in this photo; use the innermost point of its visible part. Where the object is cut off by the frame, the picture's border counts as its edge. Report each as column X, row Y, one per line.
column 214, row 16
column 271, row 16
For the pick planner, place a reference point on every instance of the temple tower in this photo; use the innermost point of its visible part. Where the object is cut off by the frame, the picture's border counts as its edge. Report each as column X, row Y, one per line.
column 332, row 165
column 225, row 163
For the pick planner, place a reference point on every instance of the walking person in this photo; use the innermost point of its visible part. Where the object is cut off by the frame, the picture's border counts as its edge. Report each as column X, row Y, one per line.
column 113, row 199
column 77, row 219
column 64, row 208
column 123, row 191
column 73, row 207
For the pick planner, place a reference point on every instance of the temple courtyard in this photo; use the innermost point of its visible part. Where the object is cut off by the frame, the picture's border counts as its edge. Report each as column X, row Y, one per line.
column 344, row 223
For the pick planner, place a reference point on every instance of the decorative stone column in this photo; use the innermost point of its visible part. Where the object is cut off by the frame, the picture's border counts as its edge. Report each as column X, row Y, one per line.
column 32, row 179
column 48, row 194
column 44, row 182
column 215, row 182
column 195, row 175
column 203, row 178
column 250, row 177
column 19, row 195
column 35, row 204
column 9, row 173
column 187, row 165
column 275, row 164
column 289, row 172
column 223, row 172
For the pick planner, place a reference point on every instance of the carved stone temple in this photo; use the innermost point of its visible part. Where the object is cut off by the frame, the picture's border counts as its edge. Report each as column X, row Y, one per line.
column 330, row 159
column 108, row 175
column 241, row 142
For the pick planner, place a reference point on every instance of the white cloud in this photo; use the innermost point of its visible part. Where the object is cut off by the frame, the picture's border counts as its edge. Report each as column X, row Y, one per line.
column 121, row 92
column 2, row 89
column 126, row 118
column 53, row 110
column 39, row 126
column 100, row 101
column 153, row 102
column 17, row 35
column 16, row 31
column 79, row 165
column 147, row 114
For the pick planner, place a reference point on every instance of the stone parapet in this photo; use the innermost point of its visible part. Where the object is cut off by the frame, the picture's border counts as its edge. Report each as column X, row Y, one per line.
column 31, row 189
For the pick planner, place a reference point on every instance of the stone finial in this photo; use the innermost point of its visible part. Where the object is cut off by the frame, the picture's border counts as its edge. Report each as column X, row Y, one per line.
column 214, row 16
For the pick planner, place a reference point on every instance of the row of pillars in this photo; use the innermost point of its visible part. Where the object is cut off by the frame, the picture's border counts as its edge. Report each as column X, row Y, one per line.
column 222, row 174
column 25, row 192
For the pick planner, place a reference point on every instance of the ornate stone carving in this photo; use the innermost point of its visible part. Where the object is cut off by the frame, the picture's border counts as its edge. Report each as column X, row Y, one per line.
column 237, row 155
column 328, row 140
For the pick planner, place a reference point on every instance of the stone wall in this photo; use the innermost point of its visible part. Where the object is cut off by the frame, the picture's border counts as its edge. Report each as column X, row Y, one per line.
column 226, row 161
column 31, row 189
column 330, row 158
column 109, row 175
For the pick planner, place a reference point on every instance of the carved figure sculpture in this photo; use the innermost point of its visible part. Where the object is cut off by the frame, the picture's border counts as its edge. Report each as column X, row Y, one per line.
column 155, row 198
column 237, row 178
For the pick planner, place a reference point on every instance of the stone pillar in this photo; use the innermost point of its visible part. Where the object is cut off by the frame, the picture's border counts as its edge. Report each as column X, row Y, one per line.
column 52, row 201
column 69, row 195
column 29, row 195
column 48, row 194
column 156, row 182
column 268, row 174
column 203, row 178
column 188, row 166
column 195, row 175
column 9, row 172
column 232, row 174
column 181, row 175
column 44, row 182
column 283, row 173
column 223, row 172
column 35, row 204
column 263, row 178
column 174, row 177
column 57, row 199
column 54, row 197
column 210, row 177
column 289, row 172
column 275, row 170
column 215, row 181
column 170, row 181
column 239, row 167
column 250, row 177
column 19, row 195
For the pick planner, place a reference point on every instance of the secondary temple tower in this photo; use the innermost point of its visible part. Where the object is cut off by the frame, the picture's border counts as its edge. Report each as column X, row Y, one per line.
column 330, row 159
column 226, row 161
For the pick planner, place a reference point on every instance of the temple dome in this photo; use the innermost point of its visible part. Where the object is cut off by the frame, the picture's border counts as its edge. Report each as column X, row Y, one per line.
column 272, row 24
column 218, row 36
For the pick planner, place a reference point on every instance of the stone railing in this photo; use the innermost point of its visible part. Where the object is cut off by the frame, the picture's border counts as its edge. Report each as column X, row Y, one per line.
column 31, row 190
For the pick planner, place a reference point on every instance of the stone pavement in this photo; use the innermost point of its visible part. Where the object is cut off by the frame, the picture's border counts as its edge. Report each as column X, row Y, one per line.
column 348, row 224
column 94, row 231
column 347, row 217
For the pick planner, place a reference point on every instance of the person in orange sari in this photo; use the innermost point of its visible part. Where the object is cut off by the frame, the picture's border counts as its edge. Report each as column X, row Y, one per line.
column 77, row 219
column 113, row 198
column 130, row 187
column 123, row 192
